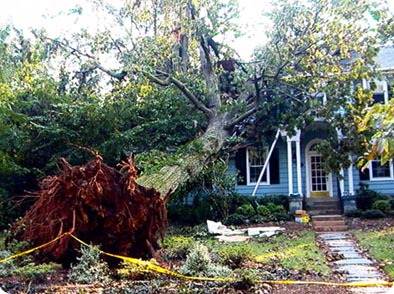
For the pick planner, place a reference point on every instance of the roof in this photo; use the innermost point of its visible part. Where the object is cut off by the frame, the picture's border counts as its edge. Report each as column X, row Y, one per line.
column 385, row 58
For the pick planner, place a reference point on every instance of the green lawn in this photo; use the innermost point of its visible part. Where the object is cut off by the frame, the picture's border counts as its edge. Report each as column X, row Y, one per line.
column 380, row 244
column 298, row 252
column 292, row 251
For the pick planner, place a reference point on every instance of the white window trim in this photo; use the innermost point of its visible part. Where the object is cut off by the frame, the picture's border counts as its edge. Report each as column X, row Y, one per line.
column 377, row 179
column 383, row 83
column 267, row 170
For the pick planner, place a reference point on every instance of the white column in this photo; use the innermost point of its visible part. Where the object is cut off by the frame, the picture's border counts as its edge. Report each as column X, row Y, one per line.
column 342, row 181
column 290, row 166
column 350, row 175
column 298, row 156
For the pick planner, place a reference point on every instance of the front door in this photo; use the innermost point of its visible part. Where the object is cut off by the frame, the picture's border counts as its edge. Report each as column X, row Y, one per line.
column 319, row 180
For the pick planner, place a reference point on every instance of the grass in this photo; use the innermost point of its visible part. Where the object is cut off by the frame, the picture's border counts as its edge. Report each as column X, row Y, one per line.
column 296, row 251
column 380, row 244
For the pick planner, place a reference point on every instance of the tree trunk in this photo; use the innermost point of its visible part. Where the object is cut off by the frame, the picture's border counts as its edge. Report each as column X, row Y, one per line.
column 191, row 161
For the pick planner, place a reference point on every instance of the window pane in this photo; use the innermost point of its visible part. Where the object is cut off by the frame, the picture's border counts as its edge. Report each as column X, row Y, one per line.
column 378, row 98
column 380, row 171
column 256, row 163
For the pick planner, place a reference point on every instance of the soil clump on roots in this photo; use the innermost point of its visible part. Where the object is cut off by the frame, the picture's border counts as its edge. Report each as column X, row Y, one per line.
column 99, row 204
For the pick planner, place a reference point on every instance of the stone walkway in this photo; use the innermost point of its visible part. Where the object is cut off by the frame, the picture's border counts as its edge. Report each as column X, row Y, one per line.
column 352, row 263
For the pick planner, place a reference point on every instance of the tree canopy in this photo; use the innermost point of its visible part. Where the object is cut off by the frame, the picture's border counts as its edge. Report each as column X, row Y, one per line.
column 159, row 81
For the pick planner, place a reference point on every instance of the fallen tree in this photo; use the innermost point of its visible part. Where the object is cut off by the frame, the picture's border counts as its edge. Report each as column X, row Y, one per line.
column 126, row 215
column 100, row 204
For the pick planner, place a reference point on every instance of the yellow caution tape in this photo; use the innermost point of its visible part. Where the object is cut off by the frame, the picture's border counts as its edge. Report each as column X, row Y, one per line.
column 162, row 270
column 152, row 266
column 33, row 249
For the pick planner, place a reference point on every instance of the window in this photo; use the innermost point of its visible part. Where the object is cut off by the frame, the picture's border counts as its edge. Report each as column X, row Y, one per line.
column 255, row 162
column 381, row 172
column 380, row 91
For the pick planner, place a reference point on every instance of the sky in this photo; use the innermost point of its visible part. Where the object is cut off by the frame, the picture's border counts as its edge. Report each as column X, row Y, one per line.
column 54, row 15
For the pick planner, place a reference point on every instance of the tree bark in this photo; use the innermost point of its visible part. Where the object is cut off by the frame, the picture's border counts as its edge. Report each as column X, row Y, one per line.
column 191, row 161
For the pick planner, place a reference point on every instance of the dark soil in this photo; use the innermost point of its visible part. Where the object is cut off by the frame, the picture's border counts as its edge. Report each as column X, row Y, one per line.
column 369, row 224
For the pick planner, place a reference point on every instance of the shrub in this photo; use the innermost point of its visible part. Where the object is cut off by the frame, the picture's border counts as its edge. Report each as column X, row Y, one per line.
column 199, row 263
column 132, row 271
column 275, row 199
column 391, row 201
column 89, row 268
column 382, row 205
column 246, row 279
column 365, row 197
column 246, row 210
column 381, row 197
column 184, row 214
column 373, row 214
column 35, row 272
column 177, row 246
column 275, row 208
column 235, row 219
column 235, row 255
column 281, row 217
column 354, row 213
column 23, row 266
column 263, row 210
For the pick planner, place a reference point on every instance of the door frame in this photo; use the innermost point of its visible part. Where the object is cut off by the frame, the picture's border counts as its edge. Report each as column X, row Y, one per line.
column 308, row 152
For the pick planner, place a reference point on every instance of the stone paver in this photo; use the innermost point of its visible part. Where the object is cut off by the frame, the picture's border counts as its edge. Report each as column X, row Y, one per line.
column 351, row 261
column 353, row 264
column 351, row 254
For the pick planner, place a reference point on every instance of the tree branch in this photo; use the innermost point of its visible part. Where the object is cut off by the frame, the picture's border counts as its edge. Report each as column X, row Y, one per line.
column 181, row 87
column 240, row 118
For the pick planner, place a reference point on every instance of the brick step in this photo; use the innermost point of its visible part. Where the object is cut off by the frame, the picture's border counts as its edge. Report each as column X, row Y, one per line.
column 315, row 212
column 323, row 207
column 331, row 229
column 329, row 223
column 328, row 217
column 321, row 199
column 325, row 223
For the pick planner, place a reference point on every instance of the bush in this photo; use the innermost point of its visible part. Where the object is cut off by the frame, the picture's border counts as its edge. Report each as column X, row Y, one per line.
column 382, row 205
column 235, row 219
column 90, row 267
column 391, row 201
column 365, row 197
column 199, row 263
column 354, row 213
column 275, row 208
column 7, row 211
column 373, row 214
column 246, row 210
column 23, row 266
column 381, row 197
column 235, row 255
column 246, row 279
column 177, row 247
column 184, row 214
column 284, row 217
column 275, row 199
column 35, row 272
column 263, row 210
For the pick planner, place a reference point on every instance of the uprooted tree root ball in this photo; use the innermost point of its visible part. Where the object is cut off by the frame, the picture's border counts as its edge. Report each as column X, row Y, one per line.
column 99, row 204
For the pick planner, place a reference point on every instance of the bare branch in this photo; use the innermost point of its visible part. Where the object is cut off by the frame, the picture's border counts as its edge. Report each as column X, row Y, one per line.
column 180, row 86
column 240, row 118
column 120, row 75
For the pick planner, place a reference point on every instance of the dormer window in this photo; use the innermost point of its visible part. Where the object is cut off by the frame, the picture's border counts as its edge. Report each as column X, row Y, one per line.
column 380, row 90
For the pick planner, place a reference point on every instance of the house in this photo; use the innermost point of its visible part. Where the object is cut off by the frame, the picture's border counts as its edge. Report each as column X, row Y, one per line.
column 294, row 165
